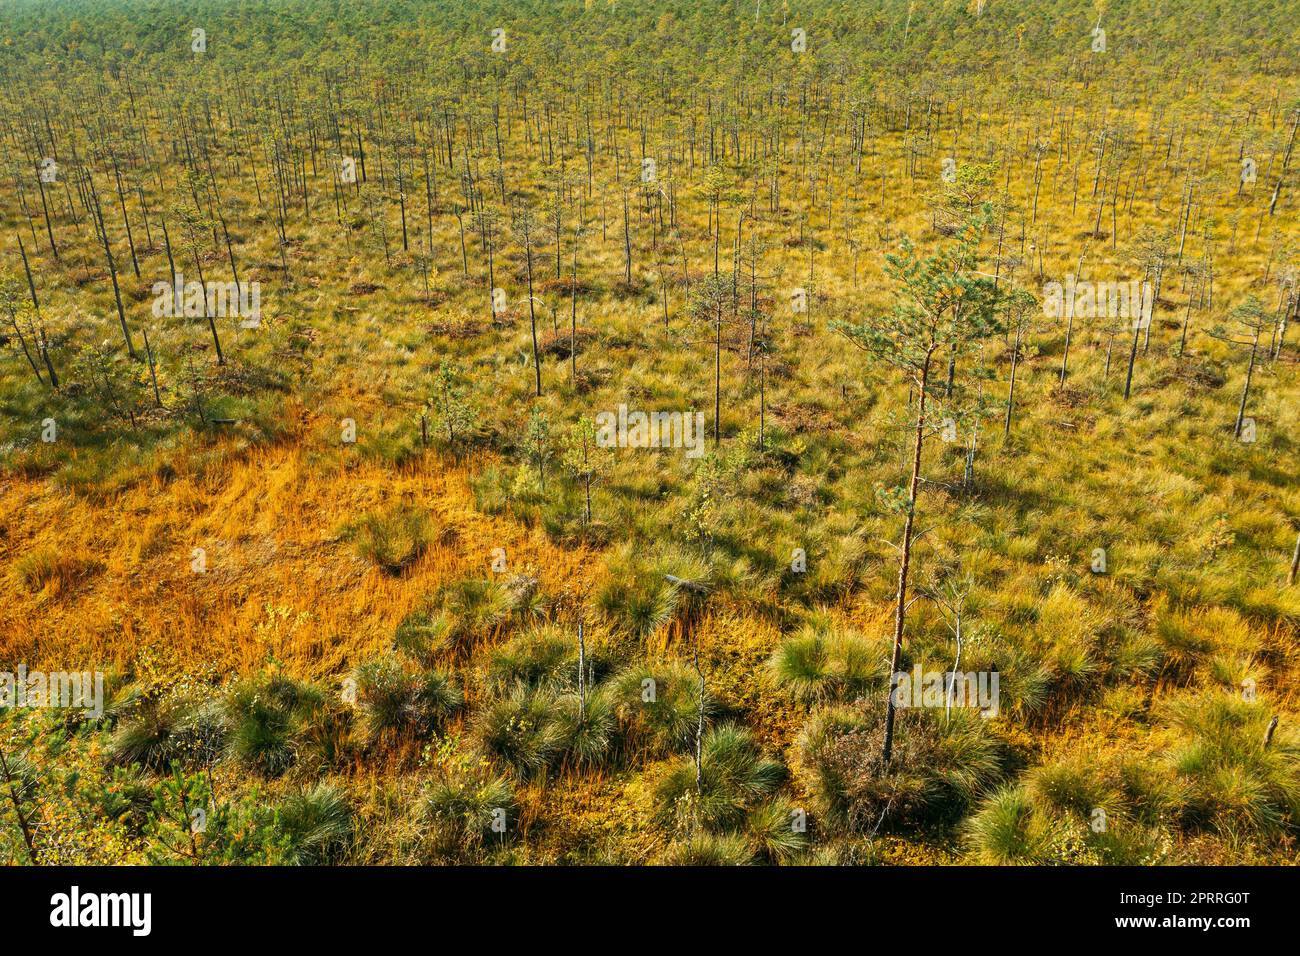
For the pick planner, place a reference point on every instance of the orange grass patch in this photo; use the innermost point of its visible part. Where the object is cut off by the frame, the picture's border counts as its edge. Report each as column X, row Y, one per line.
column 282, row 580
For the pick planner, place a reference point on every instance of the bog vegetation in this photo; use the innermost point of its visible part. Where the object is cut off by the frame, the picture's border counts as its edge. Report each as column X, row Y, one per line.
column 369, row 583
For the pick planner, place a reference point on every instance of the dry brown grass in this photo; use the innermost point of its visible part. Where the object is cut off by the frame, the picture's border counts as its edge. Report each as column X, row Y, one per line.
column 281, row 579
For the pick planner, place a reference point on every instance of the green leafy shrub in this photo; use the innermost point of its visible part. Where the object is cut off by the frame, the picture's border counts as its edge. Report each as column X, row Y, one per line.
column 543, row 658
column 733, row 777
column 394, row 539
column 710, row 849
column 1234, row 782
column 815, row 666
column 398, row 702
column 643, row 592
column 266, row 717
column 938, row 767
column 166, row 729
column 461, row 807
column 317, row 825
column 587, row 728
column 521, row 732
column 659, row 705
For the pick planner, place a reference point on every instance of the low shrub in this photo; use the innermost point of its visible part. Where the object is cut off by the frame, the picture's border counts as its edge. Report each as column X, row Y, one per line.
column 939, row 766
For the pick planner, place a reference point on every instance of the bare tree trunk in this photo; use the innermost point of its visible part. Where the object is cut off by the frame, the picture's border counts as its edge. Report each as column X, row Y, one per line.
column 717, row 378
column 532, row 314
column 1245, row 390
column 900, row 611
column 582, row 679
column 49, row 230
column 699, row 726
column 1295, row 562
column 22, row 340
column 1277, row 189
column 1069, row 328
column 627, row 244
column 952, row 678
column 1011, row 392
column 153, row 374
column 23, row 823
column 1132, row 359
column 573, row 318
column 112, row 268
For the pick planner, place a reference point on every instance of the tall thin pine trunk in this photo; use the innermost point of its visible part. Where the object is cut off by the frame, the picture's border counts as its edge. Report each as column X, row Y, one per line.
column 900, row 610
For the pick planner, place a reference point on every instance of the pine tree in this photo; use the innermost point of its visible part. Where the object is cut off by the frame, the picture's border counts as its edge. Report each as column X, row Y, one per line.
column 942, row 307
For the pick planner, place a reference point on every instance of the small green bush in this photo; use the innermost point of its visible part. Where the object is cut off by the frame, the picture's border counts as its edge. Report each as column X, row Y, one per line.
column 394, row 539
column 317, row 825
column 939, row 766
